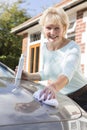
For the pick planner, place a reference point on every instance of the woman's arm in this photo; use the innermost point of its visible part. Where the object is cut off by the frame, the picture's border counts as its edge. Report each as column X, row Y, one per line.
column 60, row 83
column 31, row 76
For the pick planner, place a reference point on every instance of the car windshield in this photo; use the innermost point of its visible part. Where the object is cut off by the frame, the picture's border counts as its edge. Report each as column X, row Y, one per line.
column 17, row 104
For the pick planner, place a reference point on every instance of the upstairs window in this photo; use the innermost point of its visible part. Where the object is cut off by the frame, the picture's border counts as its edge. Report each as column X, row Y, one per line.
column 72, row 27
column 71, row 31
column 35, row 36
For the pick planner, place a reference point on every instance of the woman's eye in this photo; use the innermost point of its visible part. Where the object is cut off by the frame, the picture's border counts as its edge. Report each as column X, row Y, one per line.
column 54, row 28
column 49, row 28
column 57, row 28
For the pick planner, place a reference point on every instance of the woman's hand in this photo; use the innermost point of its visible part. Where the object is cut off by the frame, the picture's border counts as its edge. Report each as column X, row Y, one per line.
column 29, row 76
column 49, row 91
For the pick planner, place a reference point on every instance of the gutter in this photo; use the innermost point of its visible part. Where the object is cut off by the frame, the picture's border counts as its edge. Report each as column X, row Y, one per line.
column 27, row 24
column 74, row 4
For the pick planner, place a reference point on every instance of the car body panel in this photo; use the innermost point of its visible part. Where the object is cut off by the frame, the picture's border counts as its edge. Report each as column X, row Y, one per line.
column 19, row 107
column 40, row 126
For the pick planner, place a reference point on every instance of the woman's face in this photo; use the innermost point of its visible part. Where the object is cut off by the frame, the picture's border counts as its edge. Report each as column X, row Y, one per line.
column 54, row 33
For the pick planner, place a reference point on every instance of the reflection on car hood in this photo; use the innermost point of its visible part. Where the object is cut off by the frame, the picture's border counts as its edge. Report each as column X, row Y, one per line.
column 18, row 107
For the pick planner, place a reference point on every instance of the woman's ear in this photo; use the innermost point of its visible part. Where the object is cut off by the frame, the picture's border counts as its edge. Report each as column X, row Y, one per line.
column 43, row 32
column 64, row 31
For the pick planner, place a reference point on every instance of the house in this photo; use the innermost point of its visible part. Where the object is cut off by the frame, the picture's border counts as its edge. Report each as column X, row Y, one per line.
column 33, row 37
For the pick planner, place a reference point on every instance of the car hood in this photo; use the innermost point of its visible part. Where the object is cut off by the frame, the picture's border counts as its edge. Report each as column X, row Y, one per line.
column 19, row 107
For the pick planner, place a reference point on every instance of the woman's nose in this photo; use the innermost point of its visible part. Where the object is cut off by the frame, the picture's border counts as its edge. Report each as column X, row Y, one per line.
column 52, row 31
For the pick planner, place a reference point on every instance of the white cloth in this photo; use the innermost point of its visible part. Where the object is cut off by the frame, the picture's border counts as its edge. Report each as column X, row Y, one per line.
column 51, row 102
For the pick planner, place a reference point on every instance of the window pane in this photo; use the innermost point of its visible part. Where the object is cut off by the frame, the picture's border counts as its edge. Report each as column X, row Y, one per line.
column 32, row 60
column 37, row 59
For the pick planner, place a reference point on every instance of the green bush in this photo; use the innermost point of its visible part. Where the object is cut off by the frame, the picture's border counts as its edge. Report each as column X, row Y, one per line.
column 10, row 61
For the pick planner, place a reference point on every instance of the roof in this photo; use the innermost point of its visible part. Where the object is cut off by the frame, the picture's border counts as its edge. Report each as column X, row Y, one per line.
column 66, row 4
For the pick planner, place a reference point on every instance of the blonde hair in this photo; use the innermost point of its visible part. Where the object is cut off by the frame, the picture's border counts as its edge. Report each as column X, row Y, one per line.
column 55, row 16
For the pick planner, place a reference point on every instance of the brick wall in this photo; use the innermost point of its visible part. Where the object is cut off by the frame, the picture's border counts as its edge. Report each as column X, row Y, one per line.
column 80, row 28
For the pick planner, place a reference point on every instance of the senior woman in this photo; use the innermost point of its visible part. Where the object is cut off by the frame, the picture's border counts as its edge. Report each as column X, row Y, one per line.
column 61, row 59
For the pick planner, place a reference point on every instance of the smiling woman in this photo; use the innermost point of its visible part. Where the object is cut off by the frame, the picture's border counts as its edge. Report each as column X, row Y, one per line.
column 61, row 59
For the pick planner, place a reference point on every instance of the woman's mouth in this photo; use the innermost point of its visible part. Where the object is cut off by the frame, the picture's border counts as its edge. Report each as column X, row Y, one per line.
column 53, row 37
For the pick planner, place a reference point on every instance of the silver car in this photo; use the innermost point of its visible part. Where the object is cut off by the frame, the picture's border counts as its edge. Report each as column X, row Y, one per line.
column 19, row 110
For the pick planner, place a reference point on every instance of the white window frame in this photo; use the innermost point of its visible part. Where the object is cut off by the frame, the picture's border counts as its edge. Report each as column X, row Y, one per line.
column 71, row 31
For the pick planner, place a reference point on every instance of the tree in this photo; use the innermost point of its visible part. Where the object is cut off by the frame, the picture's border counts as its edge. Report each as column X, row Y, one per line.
column 10, row 44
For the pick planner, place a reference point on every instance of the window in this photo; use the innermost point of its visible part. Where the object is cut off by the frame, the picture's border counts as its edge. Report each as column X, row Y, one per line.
column 72, row 27
column 71, row 30
column 35, row 36
column 34, row 58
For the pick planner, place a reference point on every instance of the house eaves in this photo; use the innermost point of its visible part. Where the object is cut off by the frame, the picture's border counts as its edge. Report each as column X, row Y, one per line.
column 29, row 23
column 66, row 4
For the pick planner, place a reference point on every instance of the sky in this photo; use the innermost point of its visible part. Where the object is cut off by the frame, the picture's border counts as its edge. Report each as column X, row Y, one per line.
column 35, row 7
column 38, row 5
